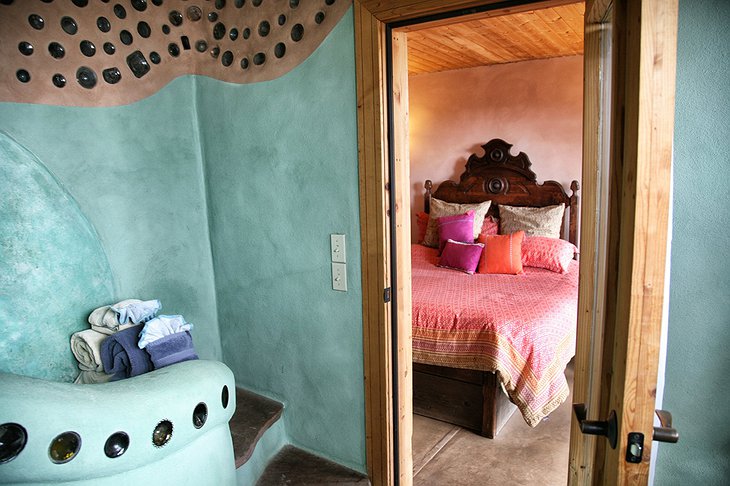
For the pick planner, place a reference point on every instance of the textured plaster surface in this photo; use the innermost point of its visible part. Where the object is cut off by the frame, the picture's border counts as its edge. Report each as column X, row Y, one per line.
column 259, row 34
column 192, row 456
column 136, row 174
column 276, row 165
column 537, row 106
column 281, row 171
column 697, row 380
column 52, row 268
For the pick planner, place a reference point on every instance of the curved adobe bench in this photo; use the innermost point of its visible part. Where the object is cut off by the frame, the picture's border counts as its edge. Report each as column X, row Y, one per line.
column 197, row 452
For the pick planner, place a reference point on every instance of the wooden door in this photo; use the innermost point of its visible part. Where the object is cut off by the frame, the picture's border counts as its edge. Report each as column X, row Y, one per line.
column 630, row 61
column 627, row 162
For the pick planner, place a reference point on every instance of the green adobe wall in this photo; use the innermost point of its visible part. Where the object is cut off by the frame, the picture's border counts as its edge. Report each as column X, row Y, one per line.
column 282, row 175
column 52, row 267
column 279, row 163
column 136, row 174
column 697, row 385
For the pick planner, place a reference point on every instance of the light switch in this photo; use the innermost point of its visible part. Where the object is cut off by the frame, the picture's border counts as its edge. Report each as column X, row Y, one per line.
column 337, row 243
column 339, row 276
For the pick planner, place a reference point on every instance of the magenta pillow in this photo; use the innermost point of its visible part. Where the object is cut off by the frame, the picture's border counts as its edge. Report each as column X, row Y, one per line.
column 458, row 255
column 544, row 252
column 458, row 228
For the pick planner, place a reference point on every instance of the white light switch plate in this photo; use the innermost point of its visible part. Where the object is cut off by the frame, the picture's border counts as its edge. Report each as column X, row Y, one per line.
column 337, row 242
column 339, row 276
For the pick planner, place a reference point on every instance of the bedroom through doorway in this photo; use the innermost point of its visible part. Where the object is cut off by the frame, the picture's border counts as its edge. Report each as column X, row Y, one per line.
column 515, row 76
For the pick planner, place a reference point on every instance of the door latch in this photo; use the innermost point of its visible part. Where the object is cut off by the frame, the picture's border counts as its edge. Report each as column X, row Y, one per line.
column 635, row 447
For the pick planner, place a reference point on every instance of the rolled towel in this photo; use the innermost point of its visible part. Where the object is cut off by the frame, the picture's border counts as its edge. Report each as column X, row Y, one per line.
column 92, row 378
column 121, row 356
column 160, row 327
column 86, row 348
column 136, row 310
column 172, row 349
column 104, row 320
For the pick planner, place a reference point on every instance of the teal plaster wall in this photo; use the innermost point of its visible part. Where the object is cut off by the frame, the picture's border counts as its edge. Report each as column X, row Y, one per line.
column 697, row 386
column 281, row 171
column 136, row 173
column 52, row 267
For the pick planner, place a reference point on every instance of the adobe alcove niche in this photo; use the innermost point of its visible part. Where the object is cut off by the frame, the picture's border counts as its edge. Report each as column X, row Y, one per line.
column 106, row 53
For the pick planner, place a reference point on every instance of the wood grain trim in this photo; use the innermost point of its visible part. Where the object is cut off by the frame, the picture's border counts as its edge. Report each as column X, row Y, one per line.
column 398, row 10
column 589, row 343
column 488, row 14
column 375, row 243
column 649, row 106
column 400, row 191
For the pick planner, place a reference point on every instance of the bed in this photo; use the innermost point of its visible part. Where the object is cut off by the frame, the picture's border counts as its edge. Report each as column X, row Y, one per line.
column 486, row 345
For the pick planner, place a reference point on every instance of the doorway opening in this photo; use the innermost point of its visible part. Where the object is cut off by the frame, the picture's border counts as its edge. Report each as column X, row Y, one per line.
column 514, row 75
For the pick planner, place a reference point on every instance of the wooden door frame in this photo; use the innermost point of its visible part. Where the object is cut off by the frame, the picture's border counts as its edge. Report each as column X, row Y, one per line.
column 645, row 44
column 389, row 458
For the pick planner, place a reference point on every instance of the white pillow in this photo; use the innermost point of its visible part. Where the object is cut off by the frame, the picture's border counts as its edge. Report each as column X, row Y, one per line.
column 545, row 221
column 441, row 208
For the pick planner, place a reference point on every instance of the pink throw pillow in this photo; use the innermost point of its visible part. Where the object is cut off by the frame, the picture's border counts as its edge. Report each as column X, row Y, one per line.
column 462, row 256
column 550, row 253
column 458, row 228
column 490, row 226
column 421, row 224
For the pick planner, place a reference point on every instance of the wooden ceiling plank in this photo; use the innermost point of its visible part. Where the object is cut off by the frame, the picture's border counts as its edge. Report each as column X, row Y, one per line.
column 574, row 16
column 521, row 33
column 537, row 34
column 484, row 37
column 428, row 60
column 509, row 47
column 476, row 50
column 562, row 31
column 447, row 41
column 436, row 57
column 555, row 31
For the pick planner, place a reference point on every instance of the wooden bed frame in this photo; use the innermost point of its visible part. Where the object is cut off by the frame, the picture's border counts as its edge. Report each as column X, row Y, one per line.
column 475, row 399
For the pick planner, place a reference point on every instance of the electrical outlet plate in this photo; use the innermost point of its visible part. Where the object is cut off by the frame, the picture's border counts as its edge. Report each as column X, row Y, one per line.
column 339, row 276
column 337, row 243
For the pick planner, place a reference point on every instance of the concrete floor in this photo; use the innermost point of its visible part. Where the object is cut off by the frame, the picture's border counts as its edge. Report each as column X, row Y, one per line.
column 445, row 454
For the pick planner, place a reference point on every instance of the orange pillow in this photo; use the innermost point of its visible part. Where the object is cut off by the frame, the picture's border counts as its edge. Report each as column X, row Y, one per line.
column 502, row 253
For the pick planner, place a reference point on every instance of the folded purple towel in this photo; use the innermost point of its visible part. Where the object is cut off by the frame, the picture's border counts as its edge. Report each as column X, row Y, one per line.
column 121, row 356
column 171, row 349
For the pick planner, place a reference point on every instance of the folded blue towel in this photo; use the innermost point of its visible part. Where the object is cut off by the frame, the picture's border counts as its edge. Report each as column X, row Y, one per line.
column 171, row 349
column 136, row 311
column 160, row 327
column 121, row 356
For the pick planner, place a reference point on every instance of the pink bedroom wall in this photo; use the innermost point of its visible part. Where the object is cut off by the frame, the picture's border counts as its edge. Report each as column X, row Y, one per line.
column 536, row 106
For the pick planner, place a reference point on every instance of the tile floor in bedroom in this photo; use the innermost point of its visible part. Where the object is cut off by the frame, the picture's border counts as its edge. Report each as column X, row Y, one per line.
column 445, row 454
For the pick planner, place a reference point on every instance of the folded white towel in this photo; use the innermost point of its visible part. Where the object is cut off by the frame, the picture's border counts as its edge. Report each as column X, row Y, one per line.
column 92, row 378
column 86, row 348
column 103, row 319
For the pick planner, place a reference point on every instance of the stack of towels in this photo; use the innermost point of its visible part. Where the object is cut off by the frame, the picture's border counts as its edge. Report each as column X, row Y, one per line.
column 128, row 339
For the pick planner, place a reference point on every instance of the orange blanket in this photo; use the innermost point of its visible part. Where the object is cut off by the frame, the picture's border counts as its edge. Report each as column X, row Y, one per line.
column 521, row 326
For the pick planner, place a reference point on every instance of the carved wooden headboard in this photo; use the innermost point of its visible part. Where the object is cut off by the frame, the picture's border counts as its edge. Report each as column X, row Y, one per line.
column 506, row 179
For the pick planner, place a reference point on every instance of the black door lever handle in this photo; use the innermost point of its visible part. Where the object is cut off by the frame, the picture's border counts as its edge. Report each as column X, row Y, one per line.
column 607, row 428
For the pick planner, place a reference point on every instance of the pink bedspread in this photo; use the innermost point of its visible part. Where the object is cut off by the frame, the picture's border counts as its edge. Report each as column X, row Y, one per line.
column 522, row 326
